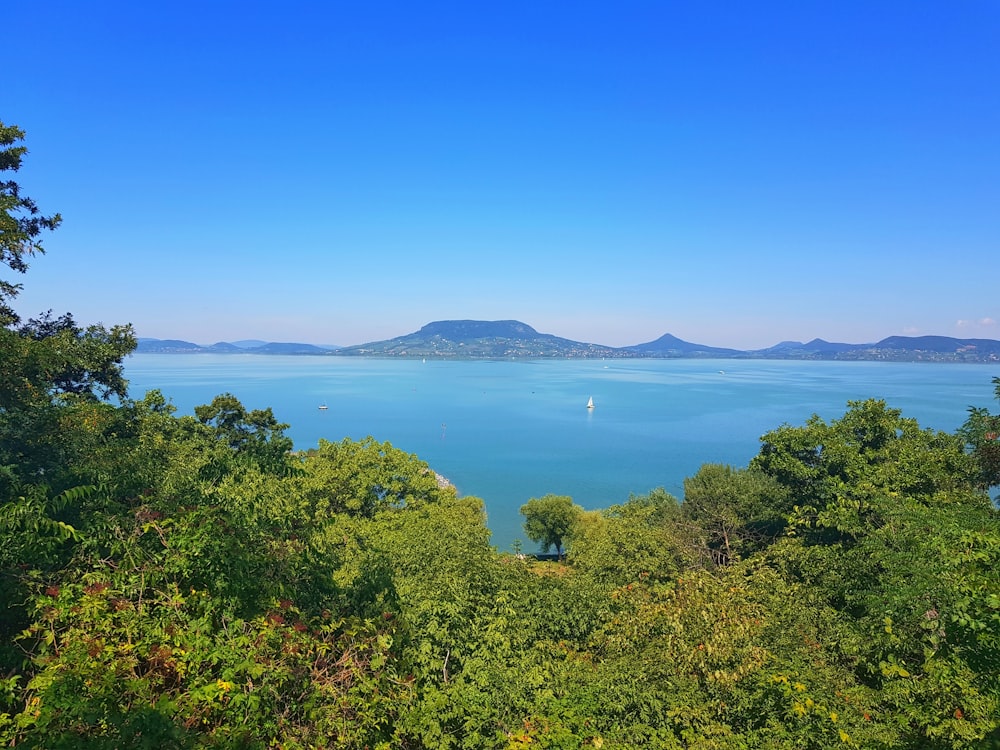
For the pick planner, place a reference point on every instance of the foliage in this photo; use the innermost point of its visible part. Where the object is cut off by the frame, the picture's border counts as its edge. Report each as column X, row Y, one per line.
column 981, row 432
column 732, row 512
column 549, row 520
column 365, row 477
column 253, row 438
column 638, row 540
column 188, row 582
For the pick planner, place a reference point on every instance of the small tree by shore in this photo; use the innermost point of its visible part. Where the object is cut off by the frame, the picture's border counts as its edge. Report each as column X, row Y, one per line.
column 549, row 520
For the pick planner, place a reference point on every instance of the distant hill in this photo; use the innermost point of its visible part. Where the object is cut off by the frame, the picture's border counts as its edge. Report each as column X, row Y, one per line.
column 939, row 344
column 893, row 348
column 282, row 348
column 249, row 343
column 168, row 346
column 479, row 339
column 458, row 339
column 817, row 348
column 176, row 346
column 671, row 346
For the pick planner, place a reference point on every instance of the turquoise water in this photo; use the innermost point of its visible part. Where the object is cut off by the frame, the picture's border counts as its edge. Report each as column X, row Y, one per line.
column 507, row 431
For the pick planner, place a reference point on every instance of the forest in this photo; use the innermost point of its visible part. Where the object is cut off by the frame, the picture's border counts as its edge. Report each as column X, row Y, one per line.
column 191, row 581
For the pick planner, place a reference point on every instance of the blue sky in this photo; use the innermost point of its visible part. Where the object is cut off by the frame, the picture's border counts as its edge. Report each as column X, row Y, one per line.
column 733, row 173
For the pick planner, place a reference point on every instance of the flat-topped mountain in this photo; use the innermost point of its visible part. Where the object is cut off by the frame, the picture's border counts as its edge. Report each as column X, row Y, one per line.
column 479, row 338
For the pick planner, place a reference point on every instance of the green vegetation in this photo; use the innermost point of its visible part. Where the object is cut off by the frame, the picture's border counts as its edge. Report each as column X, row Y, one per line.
column 189, row 582
column 550, row 520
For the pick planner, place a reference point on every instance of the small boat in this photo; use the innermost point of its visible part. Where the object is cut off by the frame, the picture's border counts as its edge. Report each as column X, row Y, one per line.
column 590, row 403
column 323, row 407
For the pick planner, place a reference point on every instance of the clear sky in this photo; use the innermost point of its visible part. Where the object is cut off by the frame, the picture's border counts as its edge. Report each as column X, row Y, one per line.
column 734, row 173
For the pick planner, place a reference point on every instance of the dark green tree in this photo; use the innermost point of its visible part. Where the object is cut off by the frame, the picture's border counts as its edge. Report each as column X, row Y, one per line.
column 894, row 539
column 53, row 375
column 21, row 223
column 252, row 436
column 732, row 512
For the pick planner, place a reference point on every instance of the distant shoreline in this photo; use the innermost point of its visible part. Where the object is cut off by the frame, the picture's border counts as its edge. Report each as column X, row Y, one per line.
column 860, row 356
column 512, row 339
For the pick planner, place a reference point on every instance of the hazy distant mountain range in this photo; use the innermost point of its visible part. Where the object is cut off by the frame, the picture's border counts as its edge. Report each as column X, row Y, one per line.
column 482, row 339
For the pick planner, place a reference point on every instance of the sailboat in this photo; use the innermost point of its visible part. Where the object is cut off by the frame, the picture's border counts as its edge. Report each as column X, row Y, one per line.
column 590, row 403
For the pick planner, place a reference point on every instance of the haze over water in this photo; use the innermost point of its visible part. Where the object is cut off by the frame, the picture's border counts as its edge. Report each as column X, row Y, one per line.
column 507, row 431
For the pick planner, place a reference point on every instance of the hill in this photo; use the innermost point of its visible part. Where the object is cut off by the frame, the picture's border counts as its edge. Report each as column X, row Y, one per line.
column 480, row 339
column 892, row 348
column 177, row 346
column 669, row 345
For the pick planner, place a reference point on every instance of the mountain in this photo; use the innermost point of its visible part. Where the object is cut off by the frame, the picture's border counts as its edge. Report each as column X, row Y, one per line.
column 939, row 344
column 289, row 348
column 224, row 347
column 815, row 349
column 248, row 343
column 671, row 346
column 479, row 338
column 457, row 339
column 893, row 348
column 167, row 346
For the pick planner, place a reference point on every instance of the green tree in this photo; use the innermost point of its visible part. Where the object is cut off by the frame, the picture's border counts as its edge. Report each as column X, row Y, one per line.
column 639, row 540
column 363, row 477
column 549, row 520
column 847, row 474
column 249, row 436
column 53, row 376
column 47, row 364
column 896, row 546
column 731, row 512
column 981, row 433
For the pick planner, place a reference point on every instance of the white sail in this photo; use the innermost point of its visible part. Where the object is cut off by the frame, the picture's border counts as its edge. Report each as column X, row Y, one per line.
column 590, row 403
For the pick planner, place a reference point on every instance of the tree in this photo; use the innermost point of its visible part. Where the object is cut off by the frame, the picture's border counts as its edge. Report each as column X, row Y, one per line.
column 550, row 520
column 981, row 433
column 846, row 476
column 894, row 542
column 45, row 355
column 255, row 436
column 20, row 220
column 638, row 540
column 53, row 375
column 731, row 512
column 365, row 477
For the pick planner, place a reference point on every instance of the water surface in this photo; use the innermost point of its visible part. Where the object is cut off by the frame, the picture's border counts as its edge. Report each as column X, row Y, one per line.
column 507, row 431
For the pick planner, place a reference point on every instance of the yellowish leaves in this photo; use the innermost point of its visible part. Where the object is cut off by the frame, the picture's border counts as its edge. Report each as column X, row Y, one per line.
column 892, row 669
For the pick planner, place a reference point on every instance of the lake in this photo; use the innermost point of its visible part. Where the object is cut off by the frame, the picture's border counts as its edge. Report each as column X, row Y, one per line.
column 507, row 431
